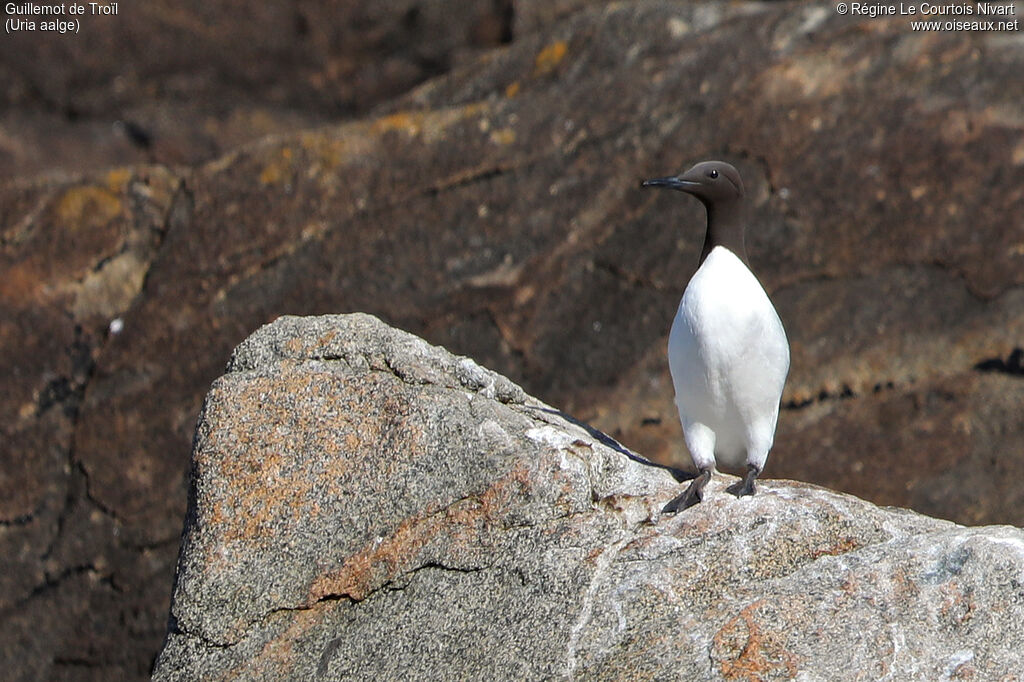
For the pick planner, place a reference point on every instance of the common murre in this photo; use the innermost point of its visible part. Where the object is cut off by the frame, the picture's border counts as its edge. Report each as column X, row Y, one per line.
column 727, row 350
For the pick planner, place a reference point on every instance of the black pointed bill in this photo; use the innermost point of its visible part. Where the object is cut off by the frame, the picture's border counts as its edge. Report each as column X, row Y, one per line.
column 671, row 183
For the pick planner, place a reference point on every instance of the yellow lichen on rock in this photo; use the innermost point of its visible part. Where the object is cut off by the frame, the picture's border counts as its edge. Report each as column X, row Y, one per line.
column 278, row 168
column 326, row 151
column 118, row 178
column 410, row 123
column 430, row 126
column 88, row 206
column 503, row 136
column 550, row 57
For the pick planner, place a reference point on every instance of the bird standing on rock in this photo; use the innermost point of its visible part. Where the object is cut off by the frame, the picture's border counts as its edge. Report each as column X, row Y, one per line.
column 727, row 350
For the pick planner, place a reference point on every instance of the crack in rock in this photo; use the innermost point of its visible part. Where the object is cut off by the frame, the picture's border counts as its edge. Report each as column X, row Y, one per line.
column 1013, row 365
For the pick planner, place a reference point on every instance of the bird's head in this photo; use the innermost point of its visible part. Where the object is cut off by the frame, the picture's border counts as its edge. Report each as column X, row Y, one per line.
column 710, row 181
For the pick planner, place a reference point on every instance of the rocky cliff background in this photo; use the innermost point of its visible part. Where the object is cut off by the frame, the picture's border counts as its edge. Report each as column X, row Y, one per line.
column 180, row 174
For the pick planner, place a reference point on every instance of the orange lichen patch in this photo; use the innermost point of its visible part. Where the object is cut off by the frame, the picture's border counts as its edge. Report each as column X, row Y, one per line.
column 386, row 558
column 750, row 652
column 276, row 494
column 267, row 487
column 548, row 58
column 512, row 89
column 88, row 206
column 496, row 499
column 383, row 560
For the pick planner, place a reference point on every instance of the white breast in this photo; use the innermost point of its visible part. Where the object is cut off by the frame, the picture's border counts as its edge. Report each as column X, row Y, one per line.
column 729, row 357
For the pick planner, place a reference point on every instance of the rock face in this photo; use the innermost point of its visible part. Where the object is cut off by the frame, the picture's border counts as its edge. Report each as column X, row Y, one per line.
column 181, row 82
column 367, row 506
column 492, row 210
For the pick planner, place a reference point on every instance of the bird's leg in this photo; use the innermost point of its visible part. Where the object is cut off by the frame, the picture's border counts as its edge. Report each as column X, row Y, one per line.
column 747, row 487
column 693, row 494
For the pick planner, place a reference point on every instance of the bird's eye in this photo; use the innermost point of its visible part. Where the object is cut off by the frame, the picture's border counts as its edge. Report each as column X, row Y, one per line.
column 713, row 174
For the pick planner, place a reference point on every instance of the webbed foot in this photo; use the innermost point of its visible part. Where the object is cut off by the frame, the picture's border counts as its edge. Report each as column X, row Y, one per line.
column 693, row 494
column 746, row 487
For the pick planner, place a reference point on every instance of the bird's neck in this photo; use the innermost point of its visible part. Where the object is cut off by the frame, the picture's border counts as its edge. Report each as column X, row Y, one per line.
column 725, row 228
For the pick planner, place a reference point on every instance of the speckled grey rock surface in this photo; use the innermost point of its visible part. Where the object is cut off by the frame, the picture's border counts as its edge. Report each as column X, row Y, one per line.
column 367, row 506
